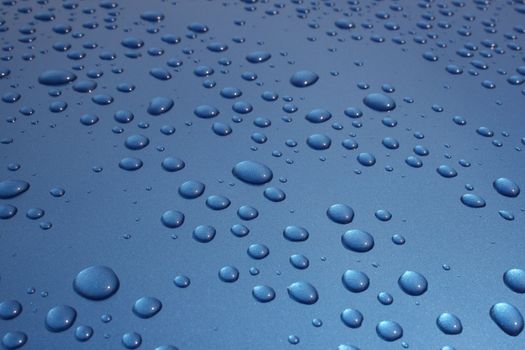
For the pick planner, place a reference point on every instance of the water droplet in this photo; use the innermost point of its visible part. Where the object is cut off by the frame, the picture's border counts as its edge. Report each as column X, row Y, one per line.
column 56, row 77
column 147, row 307
column 472, row 200
column 514, row 279
column 258, row 56
column 507, row 317
column 366, row 159
column 413, row 283
column 60, row 318
column 229, row 274
column 340, row 213
column 10, row 309
column 252, row 172
column 204, row 233
column 318, row 115
column 191, row 189
column 446, row 171
column 96, row 282
column 357, row 240
column 295, row 233
column 83, row 333
column 303, row 292
column 12, row 188
column 319, row 141
column 172, row 218
column 303, row 78
column 379, row 102
column 263, row 293
column 355, row 281
column 352, row 318
column 389, row 330
column 506, row 187
column 449, row 323
column 130, row 163
column 14, row 340
column 131, row 340
column 160, row 105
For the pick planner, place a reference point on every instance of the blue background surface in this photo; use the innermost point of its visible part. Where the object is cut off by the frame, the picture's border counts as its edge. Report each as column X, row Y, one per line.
column 91, row 221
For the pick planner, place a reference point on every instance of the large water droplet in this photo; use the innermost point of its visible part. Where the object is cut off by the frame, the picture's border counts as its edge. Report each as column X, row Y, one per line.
column 96, row 282
column 12, row 188
column 357, row 240
column 507, row 317
column 514, row 279
column 413, row 283
column 379, row 102
column 55, row 77
column 60, row 318
column 252, row 172
column 506, row 187
column 147, row 307
column 303, row 292
column 303, row 78
column 340, row 213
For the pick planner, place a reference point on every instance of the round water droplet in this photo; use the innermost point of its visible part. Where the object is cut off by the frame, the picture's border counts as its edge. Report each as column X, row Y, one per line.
column 258, row 251
column 449, row 323
column 446, row 171
column 160, row 105
column 274, row 194
column 229, row 274
column 318, row 115
column 385, row 298
column 389, row 330
column 366, row 159
column 130, row 163
column 319, row 141
column 299, row 261
column 303, row 78
column 217, row 202
column 506, row 187
column 295, row 233
column 60, row 318
column 131, row 340
column 172, row 218
column 514, row 279
column 7, row 211
column 182, row 281
column 413, row 283
column 258, row 56
column 379, row 102
column 352, row 318
column 83, row 333
column 204, row 233
column 172, row 164
column 96, row 282
column 357, row 240
column 303, row 292
column 263, row 294
column 508, row 318
column 340, row 213
column 136, row 142
column 206, row 111
column 355, row 281
column 252, row 172
column 147, row 307
column 10, row 309
column 191, row 189
column 14, row 340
